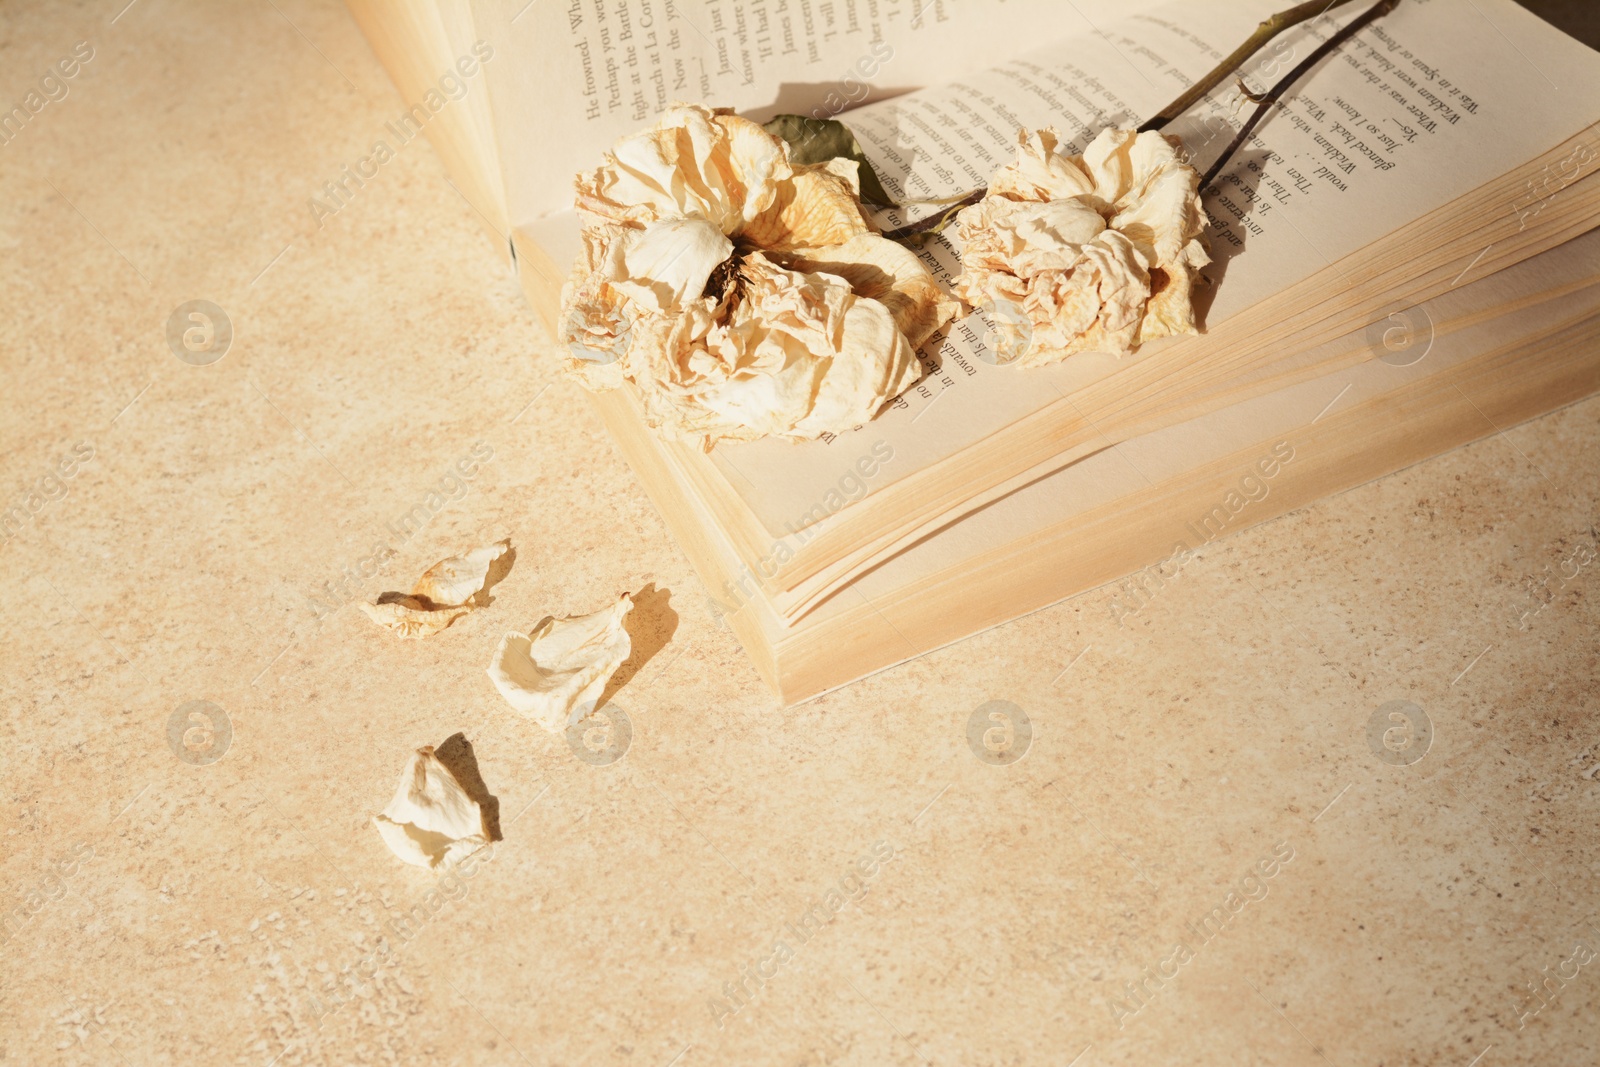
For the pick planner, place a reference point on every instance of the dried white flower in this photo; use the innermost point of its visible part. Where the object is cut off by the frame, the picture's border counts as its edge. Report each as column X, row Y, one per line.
column 744, row 296
column 431, row 820
column 1091, row 253
column 556, row 674
column 446, row 591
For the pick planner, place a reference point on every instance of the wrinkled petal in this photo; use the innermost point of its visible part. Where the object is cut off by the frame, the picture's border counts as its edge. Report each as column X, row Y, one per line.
column 820, row 206
column 1171, row 307
column 668, row 264
column 431, row 821
column 1028, row 238
column 1102, row 310
column 799, row 355
column 693, row 162
column 888, row 272
column 460, row 578
column 1098, row 253
column 1040, row 172
column 555, row 674
column 411, row 617
column 594, row 322
column 1108, row 163
column 445, row 592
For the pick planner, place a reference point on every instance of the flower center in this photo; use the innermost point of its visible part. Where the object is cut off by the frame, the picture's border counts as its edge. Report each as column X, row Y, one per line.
column 726, row 283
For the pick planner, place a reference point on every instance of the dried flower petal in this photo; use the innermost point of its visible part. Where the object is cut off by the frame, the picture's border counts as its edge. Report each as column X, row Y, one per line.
column 819, row 206
column 446, row 591
column 669, row 264
column 695, row 162
column 800, row 354
column 555, row 674
column 431, row 820
column 882, row 270
column 411, row 618
column 1092, row 253
column 743, row 295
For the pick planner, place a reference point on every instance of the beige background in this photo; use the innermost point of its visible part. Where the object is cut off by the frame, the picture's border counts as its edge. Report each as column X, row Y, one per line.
column 210, row 908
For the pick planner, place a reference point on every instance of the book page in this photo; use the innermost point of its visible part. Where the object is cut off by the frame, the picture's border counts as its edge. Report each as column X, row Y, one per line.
column 1430, row 103
column 571, row 76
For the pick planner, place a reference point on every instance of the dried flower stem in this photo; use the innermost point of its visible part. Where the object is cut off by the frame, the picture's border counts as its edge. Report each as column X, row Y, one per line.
column 1377, row 11
column 939, row 219
column 1263, row 34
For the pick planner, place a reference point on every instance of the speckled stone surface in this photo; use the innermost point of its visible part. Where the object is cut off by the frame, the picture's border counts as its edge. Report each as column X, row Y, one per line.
column 1099, row 902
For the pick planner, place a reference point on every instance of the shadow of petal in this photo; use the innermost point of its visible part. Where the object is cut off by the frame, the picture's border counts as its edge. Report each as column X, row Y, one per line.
column 457, row 756
column 498, row 569
column 651, row 624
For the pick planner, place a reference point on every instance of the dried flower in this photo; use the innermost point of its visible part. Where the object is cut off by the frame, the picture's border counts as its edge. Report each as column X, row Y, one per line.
column 1087, row 253
column 743, row 295
column 447, row 590
column 556, row 674
column 431, row 820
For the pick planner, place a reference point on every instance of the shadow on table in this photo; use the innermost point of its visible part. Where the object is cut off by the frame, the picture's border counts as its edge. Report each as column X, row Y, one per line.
column 651, row 624
column 457, row 756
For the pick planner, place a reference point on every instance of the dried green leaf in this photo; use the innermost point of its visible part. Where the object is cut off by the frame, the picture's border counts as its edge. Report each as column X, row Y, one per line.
column 819, row 140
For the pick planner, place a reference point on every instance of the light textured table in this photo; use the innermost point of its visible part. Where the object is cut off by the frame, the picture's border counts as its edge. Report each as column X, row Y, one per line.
column 163, row 911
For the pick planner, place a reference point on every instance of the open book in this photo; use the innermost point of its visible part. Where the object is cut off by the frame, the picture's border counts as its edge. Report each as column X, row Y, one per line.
column 1399, row 266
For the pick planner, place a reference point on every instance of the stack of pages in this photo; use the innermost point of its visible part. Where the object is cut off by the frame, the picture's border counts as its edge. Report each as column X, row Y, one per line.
column 1403, row 261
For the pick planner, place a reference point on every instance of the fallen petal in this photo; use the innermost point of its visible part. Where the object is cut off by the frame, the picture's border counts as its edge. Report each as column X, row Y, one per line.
column 410, row 617
column 445, row 592
column 431, row 820
column 555, row 674
column 455, row 581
